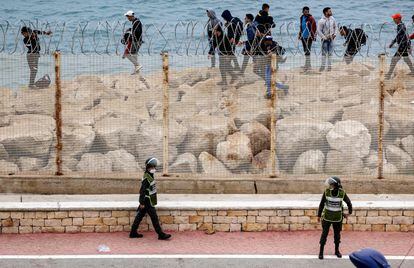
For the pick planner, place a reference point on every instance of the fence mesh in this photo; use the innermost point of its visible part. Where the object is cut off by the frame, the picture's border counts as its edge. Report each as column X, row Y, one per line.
column 326, row 122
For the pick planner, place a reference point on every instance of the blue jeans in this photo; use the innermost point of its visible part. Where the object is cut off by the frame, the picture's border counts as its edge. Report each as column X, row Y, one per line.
column 327, row 49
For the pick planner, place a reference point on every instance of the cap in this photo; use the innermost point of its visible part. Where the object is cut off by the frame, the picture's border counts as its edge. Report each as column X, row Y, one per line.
column 129, row 13
column 396, row 16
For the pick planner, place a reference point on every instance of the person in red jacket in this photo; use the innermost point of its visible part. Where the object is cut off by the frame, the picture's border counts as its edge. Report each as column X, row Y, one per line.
column 307, row 34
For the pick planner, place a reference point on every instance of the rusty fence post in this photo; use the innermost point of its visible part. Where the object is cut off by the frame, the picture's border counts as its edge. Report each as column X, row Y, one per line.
column 381, row 115
column 58, row 114
column 273, row 100
column 165, row 111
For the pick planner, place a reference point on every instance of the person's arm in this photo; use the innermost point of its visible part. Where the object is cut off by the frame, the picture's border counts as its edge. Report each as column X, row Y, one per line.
column 321, row 205
column 231, row 31
column 42, row 32
column 348, row 203
column 300, row 27
column 313, row 27
column 319, row 29
column 142, row 191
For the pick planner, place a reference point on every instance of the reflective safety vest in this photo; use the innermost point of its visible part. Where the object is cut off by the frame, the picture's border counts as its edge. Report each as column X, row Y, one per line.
column 151, row 191
column 333, row 206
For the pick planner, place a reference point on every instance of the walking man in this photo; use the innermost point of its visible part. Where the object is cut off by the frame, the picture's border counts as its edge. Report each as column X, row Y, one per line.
column 212, row 23
column 31, row 41
column 404, row 46
column 133, row 40
column 327, row 32
column 332, row 213
column 250, row 43
column 307, row 34
column 354, row 40
column 234, row 32
column 148, row 201
column 264, row 21
column 226, row 52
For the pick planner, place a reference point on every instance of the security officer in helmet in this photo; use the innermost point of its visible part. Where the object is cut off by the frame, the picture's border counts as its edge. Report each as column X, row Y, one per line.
column 148, row 201
column 332, row 212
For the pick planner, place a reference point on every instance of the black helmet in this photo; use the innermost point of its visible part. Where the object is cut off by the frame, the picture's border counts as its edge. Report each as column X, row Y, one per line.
column 151, row 162
column 335, row 181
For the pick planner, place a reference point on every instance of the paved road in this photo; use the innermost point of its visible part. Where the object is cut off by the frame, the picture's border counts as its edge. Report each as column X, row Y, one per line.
column 189, row 261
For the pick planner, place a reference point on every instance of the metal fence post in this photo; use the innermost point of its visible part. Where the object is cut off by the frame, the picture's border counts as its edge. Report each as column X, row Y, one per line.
column 273, row 116
column 165, row 111
column 381, row 115
column 58, row 114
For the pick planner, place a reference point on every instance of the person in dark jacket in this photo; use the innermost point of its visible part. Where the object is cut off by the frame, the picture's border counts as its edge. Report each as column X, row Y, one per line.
column 212, row 23
column 307, row 34
column 226, row 52
column 234, row 32
column 31, row 42
column 134, row 41
column 332, row 213
column 250, row 43
column 264, row 21
column 404, row 46
column 148, row 201
column 354, row 40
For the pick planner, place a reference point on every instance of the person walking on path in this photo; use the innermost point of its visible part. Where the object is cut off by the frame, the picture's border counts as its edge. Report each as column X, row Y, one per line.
column 234, row 32
column 264, row 21
column 212, row 23
column 354, row 40
column 148, row 201
column 332, row 213
column 404, row 46
column 226, row 52
column 31, row 42
column 307, row 34
column 327, row 32
column 250, row 43
column 133, row 40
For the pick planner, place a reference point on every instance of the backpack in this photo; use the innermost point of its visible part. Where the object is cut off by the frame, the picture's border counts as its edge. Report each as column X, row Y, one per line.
column 361, row 37
column 127, row 36
column 43, row 82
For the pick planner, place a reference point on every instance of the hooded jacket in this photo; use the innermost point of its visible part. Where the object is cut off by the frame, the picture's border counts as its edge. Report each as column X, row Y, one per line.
column 310, row 25
column 234, row 26
column 212, row 23
column 222, row 42
column 264, row 22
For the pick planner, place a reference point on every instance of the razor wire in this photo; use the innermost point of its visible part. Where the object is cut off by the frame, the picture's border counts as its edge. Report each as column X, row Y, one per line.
column 184, row 38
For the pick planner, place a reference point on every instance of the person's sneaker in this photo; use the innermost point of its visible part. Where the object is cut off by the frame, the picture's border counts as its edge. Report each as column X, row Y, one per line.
column 320, row 256
column 137, row 69
column 136, row 235
column 164, row 236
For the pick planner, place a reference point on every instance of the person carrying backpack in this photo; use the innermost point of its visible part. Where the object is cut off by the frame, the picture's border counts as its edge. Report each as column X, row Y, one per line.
column 354, row 40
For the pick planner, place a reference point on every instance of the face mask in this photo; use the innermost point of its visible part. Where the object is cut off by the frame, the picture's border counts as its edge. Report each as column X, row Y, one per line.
column 152, row 170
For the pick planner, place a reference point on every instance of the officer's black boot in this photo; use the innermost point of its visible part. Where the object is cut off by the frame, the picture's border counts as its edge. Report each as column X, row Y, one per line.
column 337, row 252
column 321, row 252
column 163, row 236
column 133, row 234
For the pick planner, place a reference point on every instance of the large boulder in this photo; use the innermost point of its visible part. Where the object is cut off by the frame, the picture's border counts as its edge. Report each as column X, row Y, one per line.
column 310, row 162
column 235, row 152
column 30, row 164
column 211, row 165
column 8, row 168
column 185, row 163
column 407, row 144
column 340, row 163
column 149, row 140
column 324, row 111
column 40, row 101
column 95, row 163
column 371, row 161
column 295, row 135
column 132, row 108
column 205, row 132
column 400, row 159
column 366, row 114
column 28, row 135
column 350, row 137
column 7, row 105
column 77, row 140
column 3, row 153
column 258, row 134
column 114, row 133
column 123, row 162
column 401, row 119
column 262, row 163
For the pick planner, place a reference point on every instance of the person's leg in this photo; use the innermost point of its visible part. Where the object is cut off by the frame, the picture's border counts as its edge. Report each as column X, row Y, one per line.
column 222, row 67
column 212, row 54
column 395, row 59
column 337, row 228
column 33, row 62
column 246, row 58
column 268, row 80
column 330, row 50
column 407, row 61
column 324, row 235
column 307, row 43
column 154, row 219
column 138, row 218
column 324, row 55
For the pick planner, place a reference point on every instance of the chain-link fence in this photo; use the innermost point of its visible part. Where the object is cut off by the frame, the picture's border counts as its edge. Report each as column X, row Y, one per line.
column 245, row 115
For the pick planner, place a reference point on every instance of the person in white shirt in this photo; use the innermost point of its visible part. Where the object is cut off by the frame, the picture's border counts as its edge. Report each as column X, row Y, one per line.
column 327, row 32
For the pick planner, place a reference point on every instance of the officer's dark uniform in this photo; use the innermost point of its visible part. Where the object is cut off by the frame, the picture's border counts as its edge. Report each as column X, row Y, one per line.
column 148, row 198
column 331, row 212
